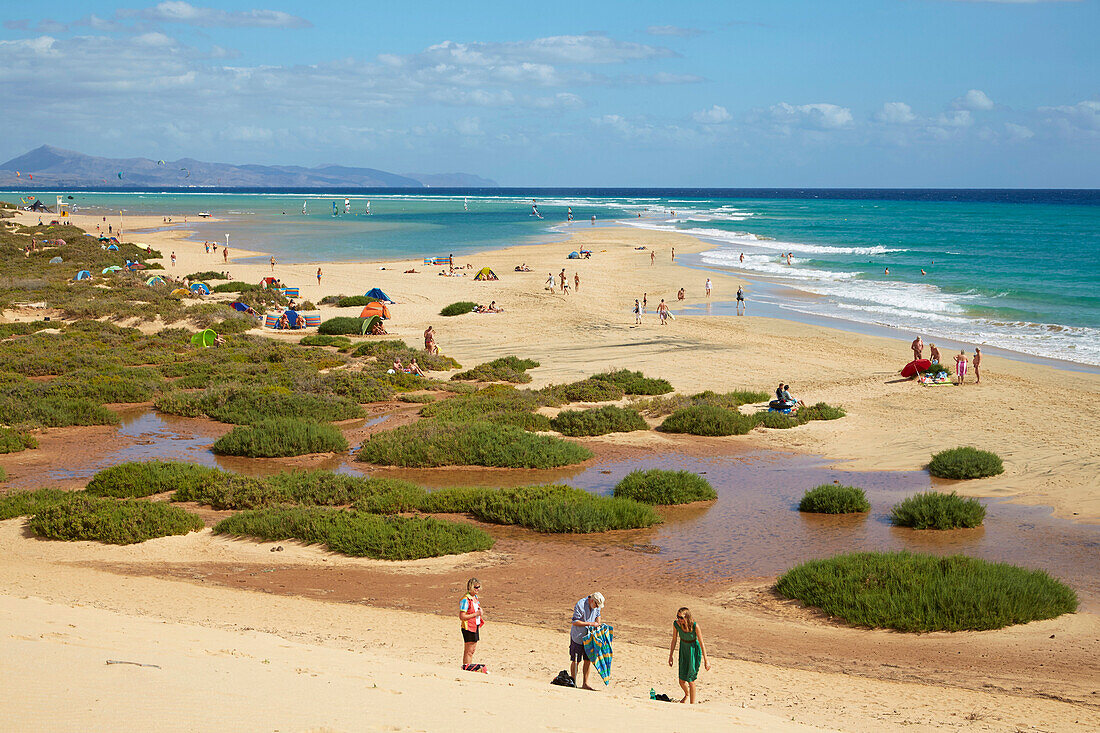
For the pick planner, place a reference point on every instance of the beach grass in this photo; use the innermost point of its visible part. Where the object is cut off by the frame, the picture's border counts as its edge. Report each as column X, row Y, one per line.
column 834, row 499
column 419, row 399
column 458, row 309
column 378, row 348
column 919, row 592
column 586, row 390
column 206, row 275
column 341, row 325
column 635, row 383
column 500, row 404
column 598, row 421
column 659, row 406
column 444, row 443
column 965, row 462
column 354, row 300
column 937, row 510
column 304, row 488
column 360, row 387
column 139, row 479
column 569, row 515
column 505, row 369
column 657, row 486
column 466, row 499
column 24, row 503
column 15, row 441
column 279, row 437
column 358, row 534
column 243, row 405
column 316, row 339
column 114, row 522
column 706, row 419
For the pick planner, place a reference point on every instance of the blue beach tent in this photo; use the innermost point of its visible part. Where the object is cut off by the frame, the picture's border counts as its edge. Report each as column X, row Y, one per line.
column 112, row 248
column 378, row 295
column 200, row 288
column 83, row 275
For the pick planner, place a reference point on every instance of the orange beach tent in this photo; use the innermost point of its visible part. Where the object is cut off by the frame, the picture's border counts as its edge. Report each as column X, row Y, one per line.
column 375, row 309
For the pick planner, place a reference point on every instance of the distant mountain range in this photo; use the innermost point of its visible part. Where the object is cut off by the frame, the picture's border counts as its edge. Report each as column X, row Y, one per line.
column 50, row 167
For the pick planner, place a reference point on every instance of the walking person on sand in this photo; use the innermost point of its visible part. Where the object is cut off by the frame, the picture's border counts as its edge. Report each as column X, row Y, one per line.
column 960, row 367
column 741, row 308
column 469, row 615
column 977, row 365
column 563, row 278
column 429, row 341
column 644, row 301
column 273, row 263
column 652, row 257
column 586, row 615
column 173, row 259
column 662, row 311
column 318, row 275
column 918, row 348
column 576, row 282
column 692, row 652
column 637, row 312
column 708, row 287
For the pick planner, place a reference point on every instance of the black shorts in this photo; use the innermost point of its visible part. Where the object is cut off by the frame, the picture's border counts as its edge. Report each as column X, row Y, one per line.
column 577, row 652
column 471, row 637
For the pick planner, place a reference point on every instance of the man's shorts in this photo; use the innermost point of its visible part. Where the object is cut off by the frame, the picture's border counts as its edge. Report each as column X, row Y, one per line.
column 471, row 636
column 576, row 652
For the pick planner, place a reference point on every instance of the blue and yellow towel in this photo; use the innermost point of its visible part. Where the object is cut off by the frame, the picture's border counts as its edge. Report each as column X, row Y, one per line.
column 597, row 645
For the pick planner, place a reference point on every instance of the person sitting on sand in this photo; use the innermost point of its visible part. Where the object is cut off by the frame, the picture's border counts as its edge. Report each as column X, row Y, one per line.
column 429, row 341
column 692, row 652
column 960, row 367
column 586, row 615
column 469, row 614
column 284, row 322
column 680, row 294
column 934, row 353
column 398, row 367
column 785, row 396
column 414, row 368
column 493, row 308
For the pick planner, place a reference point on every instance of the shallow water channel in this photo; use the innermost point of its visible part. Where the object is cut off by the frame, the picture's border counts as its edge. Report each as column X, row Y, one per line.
column 752, row 530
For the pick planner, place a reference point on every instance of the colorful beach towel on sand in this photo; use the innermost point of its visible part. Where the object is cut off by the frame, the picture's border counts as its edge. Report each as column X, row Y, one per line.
column 597, row 645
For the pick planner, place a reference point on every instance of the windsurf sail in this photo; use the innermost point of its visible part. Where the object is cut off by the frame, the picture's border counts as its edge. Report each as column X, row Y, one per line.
column 465, row 204
column 347, row 206
column 334, row 210
column 304, row 207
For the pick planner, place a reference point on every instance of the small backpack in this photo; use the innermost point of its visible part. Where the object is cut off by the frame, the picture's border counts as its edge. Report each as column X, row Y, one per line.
column 563, row 680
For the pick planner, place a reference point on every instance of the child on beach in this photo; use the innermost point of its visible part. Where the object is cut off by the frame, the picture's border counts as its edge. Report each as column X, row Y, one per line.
column 960, row 367
column 692, row 652
column 469, row 614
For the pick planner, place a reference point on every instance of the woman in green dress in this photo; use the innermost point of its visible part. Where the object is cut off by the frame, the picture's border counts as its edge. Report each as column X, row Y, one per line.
column 692, row 651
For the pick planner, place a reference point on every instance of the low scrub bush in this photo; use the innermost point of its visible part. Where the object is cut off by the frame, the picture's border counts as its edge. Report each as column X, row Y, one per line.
column 341, row 325
column 917, row 592
column 438, row 443
column 235, row 287
column 965, row 463
column 506, row 369
column 465, row 499
column 359, row 534
column 834, row 499
column 207, row 275
column 665, row 487
column 778, row 421
column 420, row 399
column 459, row 308
column 55, row 412
column 23, row 503
column 821, row 411
column 354, row 300
column 635, row 382
column 305, row 488
column 708, row 420
column 598, row 421
column 359, row 387
column 279, row 437
column 729, row 400
column 571, row 514
column 246, row 405
column 586, row 390
column 936, row 510
column 500, row 404
column 81, row 517
column 316, row 339
column 140, row 479
column 378, row 348
column 14, row 441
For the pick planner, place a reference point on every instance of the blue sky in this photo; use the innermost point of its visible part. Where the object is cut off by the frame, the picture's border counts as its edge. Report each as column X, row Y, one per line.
column 784, row 93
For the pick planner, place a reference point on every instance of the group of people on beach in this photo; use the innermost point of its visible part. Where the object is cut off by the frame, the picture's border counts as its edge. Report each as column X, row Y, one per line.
column 587, row 619
column 961, row 361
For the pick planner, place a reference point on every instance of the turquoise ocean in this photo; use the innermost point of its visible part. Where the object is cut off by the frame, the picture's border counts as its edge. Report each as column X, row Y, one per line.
column 1019, row 270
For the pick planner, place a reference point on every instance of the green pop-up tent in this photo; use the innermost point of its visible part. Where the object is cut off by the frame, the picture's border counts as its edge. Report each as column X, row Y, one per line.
column 204, row 339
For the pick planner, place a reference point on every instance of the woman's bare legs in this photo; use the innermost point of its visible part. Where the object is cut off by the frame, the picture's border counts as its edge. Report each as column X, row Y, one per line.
column 684, row 687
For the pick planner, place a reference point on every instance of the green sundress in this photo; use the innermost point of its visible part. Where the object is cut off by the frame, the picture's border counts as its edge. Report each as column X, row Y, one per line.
column 691, row 652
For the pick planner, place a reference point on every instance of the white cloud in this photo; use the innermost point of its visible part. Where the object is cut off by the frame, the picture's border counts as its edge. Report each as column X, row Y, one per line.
column 469, row 126
column 177, row 11
column 1018, row 133
column 784, row 117
column 958, row 118
column 895, row 113
column 1082, row 116
column 974, row 100
column 716, row 115
column 673, row 30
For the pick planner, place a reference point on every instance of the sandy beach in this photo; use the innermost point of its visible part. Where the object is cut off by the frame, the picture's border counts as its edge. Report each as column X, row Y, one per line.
column 290, row 647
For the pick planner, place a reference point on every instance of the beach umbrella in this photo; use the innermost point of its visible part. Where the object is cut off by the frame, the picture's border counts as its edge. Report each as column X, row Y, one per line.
column 55, row 261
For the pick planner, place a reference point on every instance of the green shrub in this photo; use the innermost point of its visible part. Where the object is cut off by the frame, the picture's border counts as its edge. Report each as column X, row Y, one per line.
column 635, row 382
column 730, row 401
column 139, row 479
column 359, row 534
column 598, row 421
column 586, row 390
column 29, row 502
column 114, row 522
column 500, row 404
column 935, row 510
column 278, row 437
column 306, row 488
column 378, row 348
column 235, row 287
column 821, row 411
column 13, row 441
column 355, row 300
column 438, row 443
column 359, row 387
column 339, row 342
column 420, row 399
column 707, row 420
column 459, row 308
column 506, row 369
column 55, row 412
column 916, row 592
column 246, row 405
column 965, row 463
column 779, row 421
column 572, row 514
column 341, row 325
column 465, row 499
column 665, row 487
column 834, row 499
column 206, row 275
